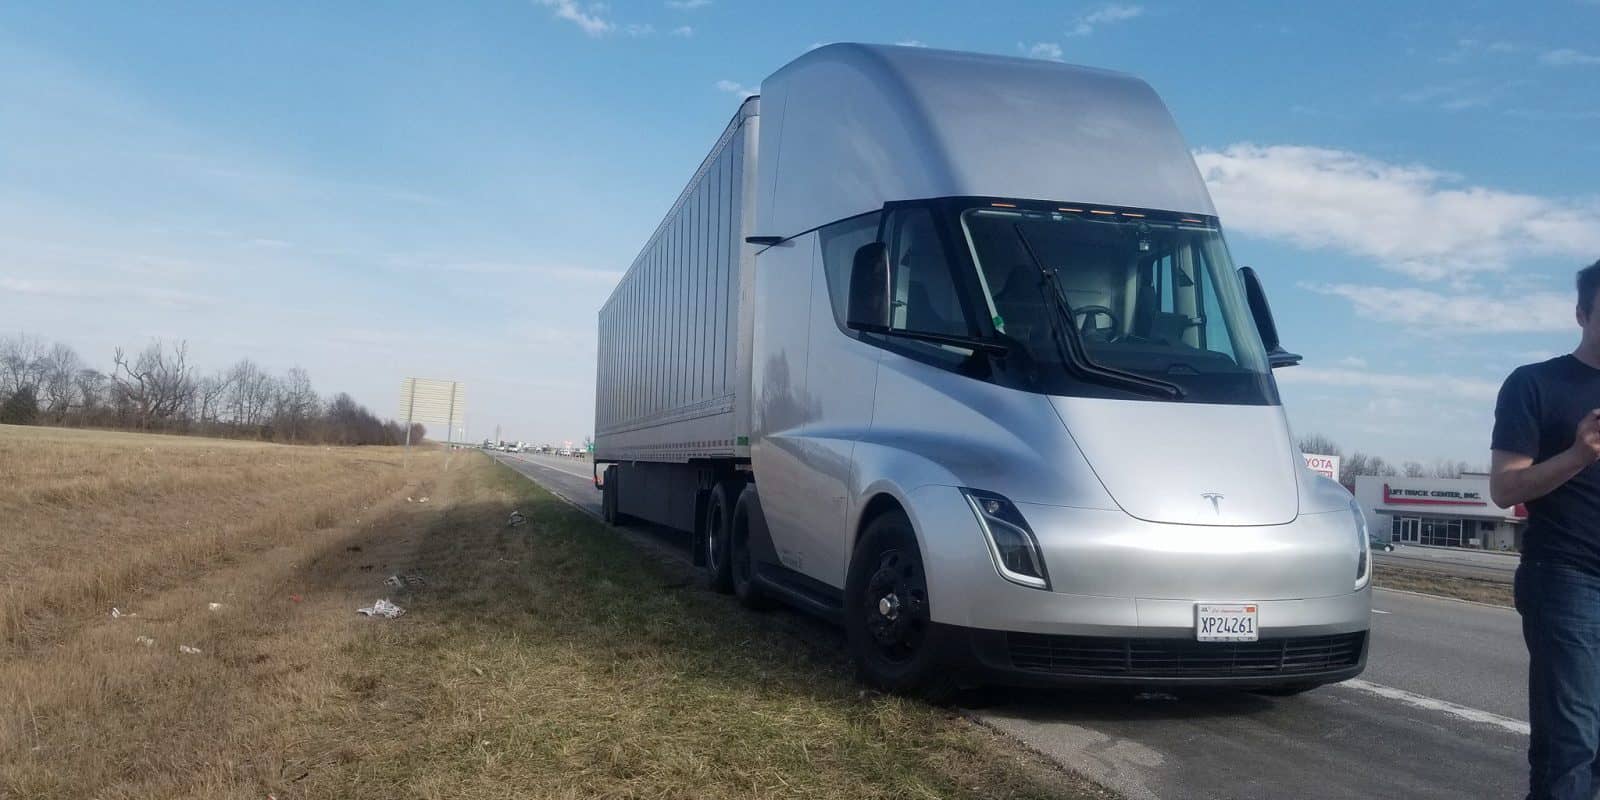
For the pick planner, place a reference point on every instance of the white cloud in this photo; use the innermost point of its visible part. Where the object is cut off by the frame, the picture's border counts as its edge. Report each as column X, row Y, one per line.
column 733, row 87
column 1410, row 219
column 1533, row 312
column 684, row 31
column 1049, row 51
column 1432, row 385
column 1108, row 14
column 688, row 5
column 912, row 43
column 639, row 31
column 589, row 21
column 1567, row 57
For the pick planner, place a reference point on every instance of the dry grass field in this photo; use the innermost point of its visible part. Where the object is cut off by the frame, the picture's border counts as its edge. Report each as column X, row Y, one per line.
column 549, row 660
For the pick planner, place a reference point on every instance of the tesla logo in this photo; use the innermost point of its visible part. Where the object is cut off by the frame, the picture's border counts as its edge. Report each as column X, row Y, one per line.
column 1216, row 502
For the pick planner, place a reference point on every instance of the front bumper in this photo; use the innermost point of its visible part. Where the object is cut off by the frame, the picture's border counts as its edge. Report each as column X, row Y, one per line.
column 1043, row 660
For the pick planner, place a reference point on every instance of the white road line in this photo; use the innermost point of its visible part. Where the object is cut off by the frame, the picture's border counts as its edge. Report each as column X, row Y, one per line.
column 1376, row 611
column 1431, row 704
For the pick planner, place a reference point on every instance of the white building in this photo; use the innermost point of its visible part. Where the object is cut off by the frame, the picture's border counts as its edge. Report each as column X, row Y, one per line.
column 1442, row 512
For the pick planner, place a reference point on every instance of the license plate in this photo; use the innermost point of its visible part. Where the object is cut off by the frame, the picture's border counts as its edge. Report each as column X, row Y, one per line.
column 1230, row 622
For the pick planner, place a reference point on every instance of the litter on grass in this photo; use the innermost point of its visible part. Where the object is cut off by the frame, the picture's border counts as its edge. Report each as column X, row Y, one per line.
column 187, row 650
column 382, row 608
column 404, row 582
column 146, row 641
column 117, row 613
column 214, row 606
column 516, row 519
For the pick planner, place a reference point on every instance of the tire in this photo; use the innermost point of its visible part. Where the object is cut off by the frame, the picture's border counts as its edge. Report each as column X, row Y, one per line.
column 608, row 496
column 741, row 563
column 893, row 640
column 715, row 537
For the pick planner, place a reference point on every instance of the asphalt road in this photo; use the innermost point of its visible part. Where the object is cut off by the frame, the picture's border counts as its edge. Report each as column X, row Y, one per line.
column 1439, row 712
column 1463, row 563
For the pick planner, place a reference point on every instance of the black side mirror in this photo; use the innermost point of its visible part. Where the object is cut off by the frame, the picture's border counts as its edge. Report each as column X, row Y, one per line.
column 1256, row 296
column 868, row 307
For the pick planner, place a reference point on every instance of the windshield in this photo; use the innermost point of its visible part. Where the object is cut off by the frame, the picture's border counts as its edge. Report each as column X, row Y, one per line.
column 1146, row 293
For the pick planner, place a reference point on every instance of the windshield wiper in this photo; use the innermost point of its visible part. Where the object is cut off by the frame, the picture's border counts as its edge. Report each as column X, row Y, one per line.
column 1063, row 327
column 995, row 346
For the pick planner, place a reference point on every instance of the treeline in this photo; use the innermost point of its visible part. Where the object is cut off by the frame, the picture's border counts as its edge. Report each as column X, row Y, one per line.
column 1359, row 463
column 157, row 389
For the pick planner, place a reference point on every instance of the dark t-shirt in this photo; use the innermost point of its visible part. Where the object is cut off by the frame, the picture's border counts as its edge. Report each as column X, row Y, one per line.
column 1537, row 415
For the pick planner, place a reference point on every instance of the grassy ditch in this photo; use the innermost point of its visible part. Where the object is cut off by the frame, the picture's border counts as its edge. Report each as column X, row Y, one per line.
column 1436, row 583
column 553, row 659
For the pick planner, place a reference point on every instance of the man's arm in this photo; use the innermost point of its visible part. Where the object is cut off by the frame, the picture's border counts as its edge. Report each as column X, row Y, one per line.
column 1514, row 478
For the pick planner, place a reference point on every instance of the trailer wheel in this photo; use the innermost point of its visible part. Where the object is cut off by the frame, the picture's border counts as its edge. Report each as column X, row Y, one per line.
column 608, row 498
column 741, row 562
column 893, row 640
column 716, row 538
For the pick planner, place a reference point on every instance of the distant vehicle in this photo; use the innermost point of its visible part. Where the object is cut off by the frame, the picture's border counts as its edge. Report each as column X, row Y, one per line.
column 1381, row 541
column 949, row 348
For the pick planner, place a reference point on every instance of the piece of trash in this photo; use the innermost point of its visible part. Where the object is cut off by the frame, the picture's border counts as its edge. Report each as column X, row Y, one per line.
column 405, row 582
column 516, row 519
column 187, row 650
column 382, row 608
column 146, row 641
column 423, row 500
column 296, row 598
column 117, row 613
column 409, row 500
column 214, row 606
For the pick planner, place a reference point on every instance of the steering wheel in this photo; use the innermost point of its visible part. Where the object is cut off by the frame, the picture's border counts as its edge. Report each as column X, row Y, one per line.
column 1087, row 317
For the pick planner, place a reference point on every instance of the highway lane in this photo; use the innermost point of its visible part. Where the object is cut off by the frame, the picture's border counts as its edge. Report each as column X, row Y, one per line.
column 1438, row 713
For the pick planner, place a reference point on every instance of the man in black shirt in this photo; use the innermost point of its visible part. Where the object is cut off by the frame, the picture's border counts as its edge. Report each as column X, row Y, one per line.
column 1545, row 448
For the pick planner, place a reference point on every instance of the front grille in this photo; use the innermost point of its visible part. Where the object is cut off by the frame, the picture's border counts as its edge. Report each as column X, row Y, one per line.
column 1182, row 658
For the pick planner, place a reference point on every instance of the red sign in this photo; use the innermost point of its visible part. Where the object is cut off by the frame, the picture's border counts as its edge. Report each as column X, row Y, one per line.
column 1432, row 497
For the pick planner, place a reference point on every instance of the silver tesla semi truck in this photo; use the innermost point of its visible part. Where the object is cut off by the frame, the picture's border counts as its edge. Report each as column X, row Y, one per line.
column 949, row 348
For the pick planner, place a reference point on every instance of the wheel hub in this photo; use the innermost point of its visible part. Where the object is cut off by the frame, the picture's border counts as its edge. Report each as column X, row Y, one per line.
column 896, row 606
column 889, row 606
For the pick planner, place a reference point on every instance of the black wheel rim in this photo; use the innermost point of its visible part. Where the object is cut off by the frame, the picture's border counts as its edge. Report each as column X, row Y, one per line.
column 714, row 540
column 895, row 606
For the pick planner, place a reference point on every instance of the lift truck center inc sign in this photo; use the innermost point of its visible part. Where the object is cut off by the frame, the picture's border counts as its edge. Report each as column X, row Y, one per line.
column 1425, row 496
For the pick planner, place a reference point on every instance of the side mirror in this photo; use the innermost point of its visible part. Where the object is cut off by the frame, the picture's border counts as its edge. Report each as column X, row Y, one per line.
column 1256, row 296
column 868, row 307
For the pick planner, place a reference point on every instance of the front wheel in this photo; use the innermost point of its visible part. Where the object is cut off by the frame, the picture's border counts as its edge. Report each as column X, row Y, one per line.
column 893, row 639
column 741, row 561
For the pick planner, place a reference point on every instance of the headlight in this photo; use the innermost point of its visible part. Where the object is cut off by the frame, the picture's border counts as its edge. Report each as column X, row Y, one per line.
column 1011, row 542
column 1363, row 545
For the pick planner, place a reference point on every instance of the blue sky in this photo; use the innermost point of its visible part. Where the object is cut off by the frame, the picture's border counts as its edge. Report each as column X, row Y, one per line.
column 379, row 190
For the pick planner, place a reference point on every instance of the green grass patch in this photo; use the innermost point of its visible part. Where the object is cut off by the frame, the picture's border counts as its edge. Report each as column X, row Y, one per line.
column 559, row 659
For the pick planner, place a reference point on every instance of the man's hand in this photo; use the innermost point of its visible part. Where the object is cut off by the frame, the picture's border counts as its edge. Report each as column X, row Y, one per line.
column 1586, row 443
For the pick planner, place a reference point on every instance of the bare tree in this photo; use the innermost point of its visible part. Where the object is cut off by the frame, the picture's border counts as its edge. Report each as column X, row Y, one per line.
column 58, row 387
column 156, row 384
column 249, row 394
column 1359, row 463
column 1317, row 444
column 1445, row 468
column 21, row 363
column 91, row 389
column 209, row 392
column 294, row 406
column 1414, row 469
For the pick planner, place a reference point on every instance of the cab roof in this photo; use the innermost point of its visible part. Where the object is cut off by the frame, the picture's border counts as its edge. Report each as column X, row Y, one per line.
column 846, row 128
